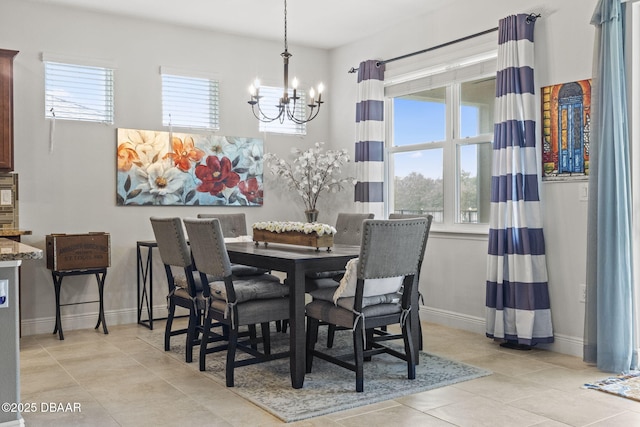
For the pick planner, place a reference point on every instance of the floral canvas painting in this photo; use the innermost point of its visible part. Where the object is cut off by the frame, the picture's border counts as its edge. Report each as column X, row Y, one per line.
column 169, row 168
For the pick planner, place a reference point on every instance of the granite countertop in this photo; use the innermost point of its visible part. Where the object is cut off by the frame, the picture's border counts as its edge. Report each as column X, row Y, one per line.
column 12, row 232
column 12, row 251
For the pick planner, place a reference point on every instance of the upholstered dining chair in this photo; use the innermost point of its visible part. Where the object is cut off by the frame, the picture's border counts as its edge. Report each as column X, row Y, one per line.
column 234, row 302
column 424, row 247
column 380, row 295
column 185, row 287
column 235, row 225
column 348, row 232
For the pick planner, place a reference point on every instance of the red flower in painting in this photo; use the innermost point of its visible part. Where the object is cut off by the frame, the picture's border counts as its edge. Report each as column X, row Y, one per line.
column 216, row 175
column 251, row 190
column 184, row 153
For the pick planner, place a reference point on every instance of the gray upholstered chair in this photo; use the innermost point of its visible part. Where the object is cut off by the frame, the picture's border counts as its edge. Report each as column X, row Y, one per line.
column 385, row 274
column 424, row 247
column 388, row 264
column 348, row 232
column 235, row 225
column 234, row 302
column 185, row 287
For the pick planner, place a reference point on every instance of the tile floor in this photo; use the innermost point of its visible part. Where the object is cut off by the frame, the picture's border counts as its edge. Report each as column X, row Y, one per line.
column 120, row 380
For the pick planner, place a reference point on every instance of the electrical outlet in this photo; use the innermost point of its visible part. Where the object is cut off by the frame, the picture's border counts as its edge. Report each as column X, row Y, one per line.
column 583, row 192
column 583, row 292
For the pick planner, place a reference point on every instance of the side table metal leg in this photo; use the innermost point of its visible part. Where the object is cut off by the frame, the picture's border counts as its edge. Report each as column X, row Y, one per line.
column 101, row 310
column 57, row 283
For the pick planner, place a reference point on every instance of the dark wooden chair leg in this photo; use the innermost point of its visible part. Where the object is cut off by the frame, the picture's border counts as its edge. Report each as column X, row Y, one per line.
column 167, row 329
column 358, row 346
column 203, row 343
column 253, row 336
column 266, row 337
column 231, row 355
column 331, row 333
column 408, row 348
column 191, row 335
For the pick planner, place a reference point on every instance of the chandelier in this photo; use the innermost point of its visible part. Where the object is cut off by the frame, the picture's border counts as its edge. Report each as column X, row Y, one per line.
column 288, row 105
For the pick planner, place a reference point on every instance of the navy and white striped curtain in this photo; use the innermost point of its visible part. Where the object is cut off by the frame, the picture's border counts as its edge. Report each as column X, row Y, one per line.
column 517, row 295
column 370, row 138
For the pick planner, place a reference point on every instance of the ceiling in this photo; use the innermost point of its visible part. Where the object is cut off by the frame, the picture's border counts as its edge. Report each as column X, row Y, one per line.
column 317, row 23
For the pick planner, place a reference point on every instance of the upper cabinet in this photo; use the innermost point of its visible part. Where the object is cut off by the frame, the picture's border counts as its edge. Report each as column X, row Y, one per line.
column 6, row 109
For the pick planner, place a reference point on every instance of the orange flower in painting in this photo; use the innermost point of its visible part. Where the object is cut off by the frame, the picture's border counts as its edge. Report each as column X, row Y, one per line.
column 127, row 156
column 184, row 153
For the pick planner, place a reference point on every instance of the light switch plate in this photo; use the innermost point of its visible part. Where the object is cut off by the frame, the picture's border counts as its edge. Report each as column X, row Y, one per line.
column 4, row 293
column 5, row 197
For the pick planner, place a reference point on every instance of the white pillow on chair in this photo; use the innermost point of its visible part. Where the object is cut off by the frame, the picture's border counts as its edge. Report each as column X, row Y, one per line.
column 372, row 287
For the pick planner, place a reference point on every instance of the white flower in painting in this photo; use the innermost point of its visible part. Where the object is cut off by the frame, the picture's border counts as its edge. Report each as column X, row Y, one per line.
column 149, row 145
column 252, row 159
column 162, row 181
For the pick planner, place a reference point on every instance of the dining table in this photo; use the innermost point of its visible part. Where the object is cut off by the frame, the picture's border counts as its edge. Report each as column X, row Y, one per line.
column 295, row 262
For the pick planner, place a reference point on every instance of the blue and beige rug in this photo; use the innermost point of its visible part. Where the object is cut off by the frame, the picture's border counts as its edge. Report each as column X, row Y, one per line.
column 626, row 385
column 328, row 388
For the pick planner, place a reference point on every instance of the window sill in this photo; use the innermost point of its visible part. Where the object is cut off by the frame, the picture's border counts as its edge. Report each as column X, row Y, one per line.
column 466, row 232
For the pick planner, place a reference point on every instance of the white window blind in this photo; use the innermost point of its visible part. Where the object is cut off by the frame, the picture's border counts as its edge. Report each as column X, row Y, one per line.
column 190, row 102
column 78, row 92
column 269, row 105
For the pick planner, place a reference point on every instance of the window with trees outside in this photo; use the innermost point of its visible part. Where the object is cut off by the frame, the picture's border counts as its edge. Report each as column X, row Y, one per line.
column 439, row 145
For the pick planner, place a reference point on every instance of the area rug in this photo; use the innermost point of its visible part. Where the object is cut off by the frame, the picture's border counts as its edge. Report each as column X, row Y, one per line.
column 626, row 385
column 328, row 388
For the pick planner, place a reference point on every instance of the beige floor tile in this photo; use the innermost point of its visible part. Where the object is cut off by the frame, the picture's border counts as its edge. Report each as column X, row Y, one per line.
column 501, row 388
column 508, row 364
column 480, row 412
column 624, row 419
column 436, row 398
column 398, row 415
column 567, row 407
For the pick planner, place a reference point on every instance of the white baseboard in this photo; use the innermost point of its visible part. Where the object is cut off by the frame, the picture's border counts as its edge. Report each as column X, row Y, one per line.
column 563, row 344
column 15, row 423
column 46, row 325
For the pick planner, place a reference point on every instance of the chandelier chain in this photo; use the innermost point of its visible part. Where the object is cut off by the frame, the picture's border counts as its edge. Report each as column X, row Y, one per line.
column 286, row 45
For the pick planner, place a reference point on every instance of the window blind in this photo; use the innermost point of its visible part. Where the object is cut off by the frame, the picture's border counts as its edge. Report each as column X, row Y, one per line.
column 269, row 105
column 78, row 92
column 190, row 102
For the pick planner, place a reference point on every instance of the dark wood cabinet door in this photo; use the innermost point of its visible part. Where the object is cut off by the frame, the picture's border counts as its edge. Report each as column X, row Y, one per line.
column 6, row 109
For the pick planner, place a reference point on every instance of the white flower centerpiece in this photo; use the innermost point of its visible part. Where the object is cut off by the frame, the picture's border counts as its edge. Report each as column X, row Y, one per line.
column 313, row 172
column 295, row 233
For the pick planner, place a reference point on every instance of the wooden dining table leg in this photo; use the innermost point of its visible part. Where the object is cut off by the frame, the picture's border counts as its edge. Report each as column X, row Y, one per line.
column 297, row 332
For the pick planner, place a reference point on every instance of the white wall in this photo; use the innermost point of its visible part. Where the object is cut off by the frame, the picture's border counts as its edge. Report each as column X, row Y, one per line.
column 72, row 189
column 453, row 281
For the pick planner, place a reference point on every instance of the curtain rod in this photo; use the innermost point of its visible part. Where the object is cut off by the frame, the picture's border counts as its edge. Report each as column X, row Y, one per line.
column 531, row 18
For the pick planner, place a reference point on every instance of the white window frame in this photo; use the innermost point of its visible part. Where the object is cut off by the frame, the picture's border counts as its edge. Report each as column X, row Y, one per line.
column 270, row 96
column 176, row 102
column 81, row 73
column 449, row 75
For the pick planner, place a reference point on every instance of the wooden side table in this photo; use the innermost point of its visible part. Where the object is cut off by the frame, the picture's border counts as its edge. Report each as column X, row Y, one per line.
column 100, row 274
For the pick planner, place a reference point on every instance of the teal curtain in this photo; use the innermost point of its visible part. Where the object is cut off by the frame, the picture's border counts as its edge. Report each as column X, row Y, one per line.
column 609, row 314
